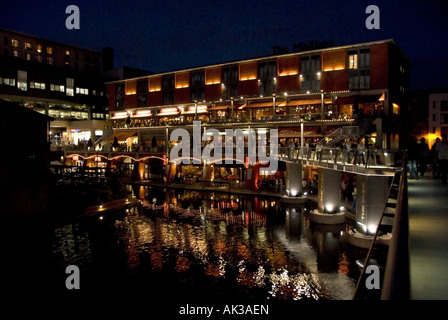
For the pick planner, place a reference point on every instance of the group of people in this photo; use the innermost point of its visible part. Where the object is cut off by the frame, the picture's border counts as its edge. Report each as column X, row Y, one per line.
column 420, row 155
column 271, row 183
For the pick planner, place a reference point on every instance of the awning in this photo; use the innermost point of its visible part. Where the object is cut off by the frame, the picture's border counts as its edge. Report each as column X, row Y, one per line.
column 143, row 113
column 261, row 105
column 225, row 107
column 305, row 102
column 166, row 114
column 358, row 99
column 193, row 110
column 121, row 136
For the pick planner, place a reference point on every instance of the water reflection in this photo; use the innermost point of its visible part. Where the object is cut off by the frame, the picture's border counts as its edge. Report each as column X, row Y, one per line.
column 252, row 244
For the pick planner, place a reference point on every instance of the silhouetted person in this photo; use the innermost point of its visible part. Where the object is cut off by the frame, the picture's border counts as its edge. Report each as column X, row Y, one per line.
column 412, row 159
column 422, row 156
column 442, row 155
column 435, row 160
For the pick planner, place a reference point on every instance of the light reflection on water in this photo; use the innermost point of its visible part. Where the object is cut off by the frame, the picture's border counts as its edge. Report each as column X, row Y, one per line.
column 256, row 245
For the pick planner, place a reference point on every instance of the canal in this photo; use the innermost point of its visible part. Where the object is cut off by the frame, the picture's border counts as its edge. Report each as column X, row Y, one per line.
column 202, row 246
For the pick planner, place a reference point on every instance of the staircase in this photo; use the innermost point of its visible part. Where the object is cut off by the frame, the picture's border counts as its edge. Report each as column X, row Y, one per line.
column 338, row 135
column 356, row 130
column 106, row 134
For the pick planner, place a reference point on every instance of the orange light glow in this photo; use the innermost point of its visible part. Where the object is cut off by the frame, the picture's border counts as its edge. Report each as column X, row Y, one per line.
column 212, row 76
column 155, row 84
column 131, row 87
column 288, row 73
column 248, row 71
column 120, row 115
column 248, row 78
column 335, row 68
column 144, row 113
column 182, row 80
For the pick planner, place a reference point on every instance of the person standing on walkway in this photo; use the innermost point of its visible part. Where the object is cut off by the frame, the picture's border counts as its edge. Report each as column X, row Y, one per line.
column 412, row 159
column 442, row 155
column 422, row 156
column 435, row 161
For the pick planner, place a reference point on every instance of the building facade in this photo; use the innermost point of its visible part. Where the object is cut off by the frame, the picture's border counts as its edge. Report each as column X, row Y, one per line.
column 438, row 115
column 56, row 79
column 329, row 84
column 309, row 97
column 428, row 116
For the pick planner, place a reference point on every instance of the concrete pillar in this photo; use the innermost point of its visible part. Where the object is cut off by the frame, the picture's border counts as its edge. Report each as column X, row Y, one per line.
column 294, row 178
column 372, row 192
column 329, row 190
column 206, row 172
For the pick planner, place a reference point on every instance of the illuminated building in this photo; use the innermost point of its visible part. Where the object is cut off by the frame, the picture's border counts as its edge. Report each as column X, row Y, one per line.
column 56, row 79
column 327, row 83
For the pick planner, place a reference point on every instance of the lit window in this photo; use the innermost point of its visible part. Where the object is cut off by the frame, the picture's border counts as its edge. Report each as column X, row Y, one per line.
column 82, row 91
column 49, row 50
column 39, row 48
column 28, row 56
column 50, row 60
column 353, row 61
column 15, row 43
column 28, row 46
column 22, row 80
column 15, row 53
column 37, row 85
column 70, row 83
column 9, row 82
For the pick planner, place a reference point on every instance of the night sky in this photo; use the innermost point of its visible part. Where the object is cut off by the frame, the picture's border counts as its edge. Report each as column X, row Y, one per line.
column 170, row 35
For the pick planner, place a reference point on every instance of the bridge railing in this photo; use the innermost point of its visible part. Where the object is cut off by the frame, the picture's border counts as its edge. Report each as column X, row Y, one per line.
column 396, row 283
column 368, row 158
column 396, row 278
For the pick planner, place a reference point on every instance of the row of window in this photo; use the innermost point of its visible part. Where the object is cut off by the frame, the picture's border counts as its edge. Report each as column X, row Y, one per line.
column 28, row 46
column 309, row 78
column 22, row 85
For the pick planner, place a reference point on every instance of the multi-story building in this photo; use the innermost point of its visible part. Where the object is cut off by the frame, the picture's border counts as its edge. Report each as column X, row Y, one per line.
column 364, row 86
column 438, row 115
column 56, row 79
column 429, row 114
column 328, row 83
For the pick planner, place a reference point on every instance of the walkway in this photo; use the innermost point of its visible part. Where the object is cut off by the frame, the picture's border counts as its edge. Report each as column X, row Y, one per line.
column 428, row 232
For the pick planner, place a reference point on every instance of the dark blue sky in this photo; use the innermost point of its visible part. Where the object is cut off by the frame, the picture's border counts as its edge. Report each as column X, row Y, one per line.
column 169, row 35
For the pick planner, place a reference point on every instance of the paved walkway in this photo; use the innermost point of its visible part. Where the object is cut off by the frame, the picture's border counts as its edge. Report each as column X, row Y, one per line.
column 428, row 232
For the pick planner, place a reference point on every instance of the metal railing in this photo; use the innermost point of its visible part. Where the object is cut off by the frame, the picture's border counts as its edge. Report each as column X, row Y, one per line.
column 180, row 120
column 396, row 283
column 363, row 158
column 367, row 158
column 396, row 279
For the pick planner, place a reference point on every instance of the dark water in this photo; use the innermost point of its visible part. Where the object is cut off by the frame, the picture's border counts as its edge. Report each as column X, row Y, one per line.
column 212, row 246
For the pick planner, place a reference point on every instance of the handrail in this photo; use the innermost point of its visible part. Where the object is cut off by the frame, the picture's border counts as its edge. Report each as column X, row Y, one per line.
column 369, row 253
column 396, row 283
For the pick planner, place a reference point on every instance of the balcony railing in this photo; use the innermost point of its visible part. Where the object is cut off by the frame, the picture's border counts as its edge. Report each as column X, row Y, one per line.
column 182, row 120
